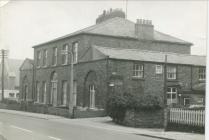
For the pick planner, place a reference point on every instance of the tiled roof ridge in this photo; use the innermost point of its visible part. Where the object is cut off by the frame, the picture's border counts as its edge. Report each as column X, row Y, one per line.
column 149, row 51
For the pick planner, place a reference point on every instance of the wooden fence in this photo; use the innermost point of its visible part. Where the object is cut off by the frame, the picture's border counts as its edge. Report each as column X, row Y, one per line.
column 187, row 117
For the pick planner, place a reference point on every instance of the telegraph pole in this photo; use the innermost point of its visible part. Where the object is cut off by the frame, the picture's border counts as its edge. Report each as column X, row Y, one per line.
column 165, row 95
column 126, row 8
column 3, row 54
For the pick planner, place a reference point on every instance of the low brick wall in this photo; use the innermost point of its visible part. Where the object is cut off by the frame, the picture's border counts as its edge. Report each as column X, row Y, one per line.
column 88, row 113
column 59, row 111
column 144, row 118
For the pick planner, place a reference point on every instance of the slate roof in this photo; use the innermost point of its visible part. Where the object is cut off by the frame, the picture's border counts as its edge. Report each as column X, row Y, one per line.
column 27, row 64
column 12, row 68
column 119, row 27
column 150, row 56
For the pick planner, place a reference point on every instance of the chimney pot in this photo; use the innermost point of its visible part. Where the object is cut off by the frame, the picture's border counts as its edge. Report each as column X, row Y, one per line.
column 144, row 29
column 104, row 12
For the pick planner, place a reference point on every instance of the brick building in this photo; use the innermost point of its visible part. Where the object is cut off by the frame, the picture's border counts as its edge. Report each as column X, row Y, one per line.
column 114, row 55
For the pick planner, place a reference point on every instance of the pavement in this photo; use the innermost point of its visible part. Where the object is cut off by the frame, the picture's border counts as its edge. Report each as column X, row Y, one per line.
column 101, row 125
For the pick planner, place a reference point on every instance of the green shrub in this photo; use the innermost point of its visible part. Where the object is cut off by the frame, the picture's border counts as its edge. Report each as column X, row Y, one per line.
column 117, row 104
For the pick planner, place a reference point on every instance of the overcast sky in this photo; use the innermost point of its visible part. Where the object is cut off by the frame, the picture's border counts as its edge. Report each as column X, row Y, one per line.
column 26, row 23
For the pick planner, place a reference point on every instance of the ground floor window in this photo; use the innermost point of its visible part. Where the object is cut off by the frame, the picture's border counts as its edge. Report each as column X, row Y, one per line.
column 171, row 95
column 186, row 101
column 53, row 99
column 92, row 96
column 44, row 92
column 200, row 101
column 37, row 92
column 64, row 93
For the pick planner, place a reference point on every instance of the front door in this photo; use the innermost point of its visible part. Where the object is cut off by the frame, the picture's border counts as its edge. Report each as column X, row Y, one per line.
column 92, row 96
column 26, row 92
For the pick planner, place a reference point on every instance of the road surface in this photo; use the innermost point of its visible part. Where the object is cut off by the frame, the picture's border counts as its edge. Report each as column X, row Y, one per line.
column 17, row 127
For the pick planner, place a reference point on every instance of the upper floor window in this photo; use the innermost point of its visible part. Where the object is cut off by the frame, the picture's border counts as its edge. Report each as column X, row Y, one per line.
column 201, row 73
column 54, row 57
column 38, row 58
column 64, row 54
column 171, row 72
column 75, row 52
column 159, row 69
column 138, row 70
column 45, row 57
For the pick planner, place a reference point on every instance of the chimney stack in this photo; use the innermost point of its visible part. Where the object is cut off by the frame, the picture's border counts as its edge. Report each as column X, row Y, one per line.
column 112, row 13
column 144, row 29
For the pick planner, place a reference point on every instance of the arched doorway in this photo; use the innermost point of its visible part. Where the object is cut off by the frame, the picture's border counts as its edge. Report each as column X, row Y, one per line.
column 53, row 93
column 90, row 89
column 25, row 89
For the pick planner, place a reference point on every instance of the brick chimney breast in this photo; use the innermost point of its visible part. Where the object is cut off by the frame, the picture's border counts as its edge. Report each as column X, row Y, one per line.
column 112, row 13
column 144, row 29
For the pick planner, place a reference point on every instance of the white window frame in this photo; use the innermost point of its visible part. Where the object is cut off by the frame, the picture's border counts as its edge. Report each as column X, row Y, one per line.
column 45, row 55
column 138, row 71
column 65, row 54
column 75, row 52
column 171, row 72
column 158, row 69
column 201, row 73
column 171, row 93
column 54, row 59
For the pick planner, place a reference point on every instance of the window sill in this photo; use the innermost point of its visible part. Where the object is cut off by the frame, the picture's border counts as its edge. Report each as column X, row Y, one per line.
column 202, row 80
column 62, row 106
column 39, row 103
column 138, row 78
column 172, row 80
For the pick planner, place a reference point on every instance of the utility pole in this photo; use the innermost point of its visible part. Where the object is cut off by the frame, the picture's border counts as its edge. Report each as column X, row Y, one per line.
column 165, row 95
column 126, row 8
column 3, row 54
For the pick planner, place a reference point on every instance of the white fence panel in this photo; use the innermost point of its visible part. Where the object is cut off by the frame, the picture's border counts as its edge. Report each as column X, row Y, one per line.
column 189, row 117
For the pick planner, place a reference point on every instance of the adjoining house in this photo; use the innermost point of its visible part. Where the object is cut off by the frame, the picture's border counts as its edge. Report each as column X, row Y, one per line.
column 114, row 55
column 11, row 78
